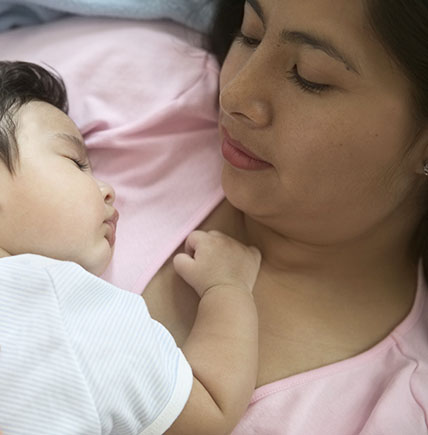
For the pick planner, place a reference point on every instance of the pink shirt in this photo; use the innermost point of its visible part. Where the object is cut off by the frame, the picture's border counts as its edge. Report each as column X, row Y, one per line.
column 383, row 391
column 145, row 98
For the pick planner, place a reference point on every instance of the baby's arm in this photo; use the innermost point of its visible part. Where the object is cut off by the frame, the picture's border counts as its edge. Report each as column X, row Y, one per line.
column 222, row 347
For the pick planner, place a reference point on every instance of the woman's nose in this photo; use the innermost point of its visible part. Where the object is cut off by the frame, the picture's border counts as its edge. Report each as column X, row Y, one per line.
column 107, row 191
column 246, row 97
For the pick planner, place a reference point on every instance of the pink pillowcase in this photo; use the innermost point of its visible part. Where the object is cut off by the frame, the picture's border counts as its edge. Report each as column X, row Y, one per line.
column 145, row 98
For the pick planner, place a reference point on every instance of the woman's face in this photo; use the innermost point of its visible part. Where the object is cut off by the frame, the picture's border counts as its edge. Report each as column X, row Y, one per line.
column 311, row 92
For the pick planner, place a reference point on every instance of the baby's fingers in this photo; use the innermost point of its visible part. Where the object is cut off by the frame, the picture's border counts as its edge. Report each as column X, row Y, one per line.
column 256, row 254
column 185, row 266
column 192, row 242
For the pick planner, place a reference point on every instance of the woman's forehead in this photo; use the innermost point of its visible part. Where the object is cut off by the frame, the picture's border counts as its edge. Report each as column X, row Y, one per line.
column 350, row 10
column 339, row 27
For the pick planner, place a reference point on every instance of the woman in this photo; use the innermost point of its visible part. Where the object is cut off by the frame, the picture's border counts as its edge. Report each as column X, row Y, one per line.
column 324, row 132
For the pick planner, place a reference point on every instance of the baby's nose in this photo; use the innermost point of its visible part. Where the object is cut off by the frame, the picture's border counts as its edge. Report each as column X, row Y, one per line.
column 107, row 192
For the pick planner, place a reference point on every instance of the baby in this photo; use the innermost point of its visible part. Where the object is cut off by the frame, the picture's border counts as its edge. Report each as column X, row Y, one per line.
column 78, row 355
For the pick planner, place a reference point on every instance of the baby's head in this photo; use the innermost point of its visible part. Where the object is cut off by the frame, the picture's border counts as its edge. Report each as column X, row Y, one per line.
column 50, row 202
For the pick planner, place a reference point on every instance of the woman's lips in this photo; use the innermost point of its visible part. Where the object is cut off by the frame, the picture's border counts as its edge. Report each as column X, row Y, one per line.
column 111, row 231
column 239, row 157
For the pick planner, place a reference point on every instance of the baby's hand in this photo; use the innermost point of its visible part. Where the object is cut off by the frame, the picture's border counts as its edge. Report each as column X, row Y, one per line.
column 213, row 259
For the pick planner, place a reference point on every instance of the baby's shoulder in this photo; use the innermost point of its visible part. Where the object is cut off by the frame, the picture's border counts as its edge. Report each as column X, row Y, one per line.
column 29, row 270
column 21, row 267
column 28, row 261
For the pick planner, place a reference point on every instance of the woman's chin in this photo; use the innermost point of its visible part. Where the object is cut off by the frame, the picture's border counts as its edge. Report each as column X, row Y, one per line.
column 245, row 192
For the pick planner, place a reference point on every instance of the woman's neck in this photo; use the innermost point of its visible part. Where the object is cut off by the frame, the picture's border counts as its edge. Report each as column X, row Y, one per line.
column 377, row 264
column 364, row 288
column 379, row 267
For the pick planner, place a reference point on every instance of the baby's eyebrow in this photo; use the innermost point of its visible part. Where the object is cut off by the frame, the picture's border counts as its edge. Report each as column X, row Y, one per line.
column 74, row 139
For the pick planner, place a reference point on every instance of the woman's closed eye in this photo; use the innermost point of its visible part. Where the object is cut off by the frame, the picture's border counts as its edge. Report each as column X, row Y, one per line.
column 245, row 40
column 306, row 85
column 293, row 74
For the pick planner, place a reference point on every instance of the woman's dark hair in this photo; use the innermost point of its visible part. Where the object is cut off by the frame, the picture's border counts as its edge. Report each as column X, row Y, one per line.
column 20, row 83
column 227, row 21
column 402, row 27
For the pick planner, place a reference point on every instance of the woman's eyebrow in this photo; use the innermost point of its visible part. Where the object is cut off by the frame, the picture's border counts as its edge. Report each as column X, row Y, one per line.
column 257, row 8
column 304, row 38
column 318, row 43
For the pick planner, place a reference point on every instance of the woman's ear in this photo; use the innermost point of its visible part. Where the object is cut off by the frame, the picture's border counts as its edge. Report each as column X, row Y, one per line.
column 420, row 146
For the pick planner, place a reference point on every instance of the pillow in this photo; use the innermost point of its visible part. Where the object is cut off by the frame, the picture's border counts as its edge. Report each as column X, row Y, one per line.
column 144, row 96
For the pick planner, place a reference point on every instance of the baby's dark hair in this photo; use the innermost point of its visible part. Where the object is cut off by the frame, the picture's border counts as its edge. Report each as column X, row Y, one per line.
column 21, row 83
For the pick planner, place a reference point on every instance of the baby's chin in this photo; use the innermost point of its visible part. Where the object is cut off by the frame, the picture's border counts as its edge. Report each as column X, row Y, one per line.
column 97, row 266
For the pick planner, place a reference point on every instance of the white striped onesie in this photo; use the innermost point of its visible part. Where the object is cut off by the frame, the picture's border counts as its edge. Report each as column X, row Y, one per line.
column 80, row 356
